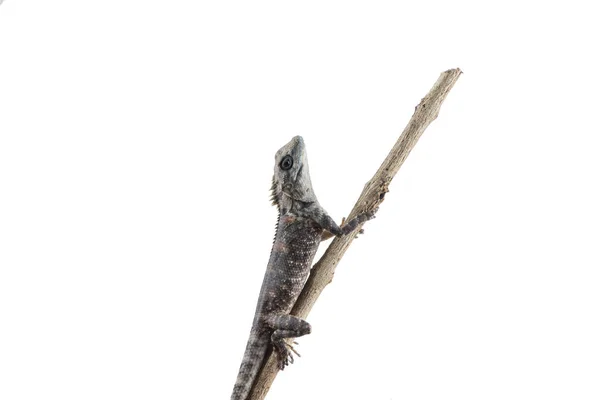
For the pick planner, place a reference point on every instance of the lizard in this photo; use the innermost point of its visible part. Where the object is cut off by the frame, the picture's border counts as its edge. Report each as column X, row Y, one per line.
column 302, row 224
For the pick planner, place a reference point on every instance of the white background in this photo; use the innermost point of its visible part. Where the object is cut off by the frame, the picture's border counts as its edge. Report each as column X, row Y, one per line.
column 136, row 153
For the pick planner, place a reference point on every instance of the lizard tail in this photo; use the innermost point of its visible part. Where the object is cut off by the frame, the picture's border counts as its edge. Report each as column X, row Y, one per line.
column 254, row 356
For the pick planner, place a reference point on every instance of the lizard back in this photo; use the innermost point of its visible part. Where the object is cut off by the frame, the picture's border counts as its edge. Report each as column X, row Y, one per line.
column 294, row 249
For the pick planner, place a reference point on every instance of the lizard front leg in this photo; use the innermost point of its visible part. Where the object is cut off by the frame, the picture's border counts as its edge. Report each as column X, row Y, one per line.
column 286, row 326
column 329, row 225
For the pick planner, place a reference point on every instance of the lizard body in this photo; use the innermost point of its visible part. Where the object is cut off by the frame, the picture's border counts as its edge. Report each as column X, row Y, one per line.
column 301, row 225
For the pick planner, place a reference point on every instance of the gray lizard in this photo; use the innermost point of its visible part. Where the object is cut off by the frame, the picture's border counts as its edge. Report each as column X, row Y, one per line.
column 301, row 225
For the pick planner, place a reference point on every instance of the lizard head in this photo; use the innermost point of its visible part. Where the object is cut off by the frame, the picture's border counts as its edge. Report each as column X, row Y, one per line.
column 291, row 178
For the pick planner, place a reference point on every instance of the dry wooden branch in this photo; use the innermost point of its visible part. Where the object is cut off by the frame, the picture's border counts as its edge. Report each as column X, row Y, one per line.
column 373, row 194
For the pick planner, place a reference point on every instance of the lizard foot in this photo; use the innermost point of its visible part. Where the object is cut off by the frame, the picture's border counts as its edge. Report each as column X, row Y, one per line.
column 359, row 219
column 284, row 352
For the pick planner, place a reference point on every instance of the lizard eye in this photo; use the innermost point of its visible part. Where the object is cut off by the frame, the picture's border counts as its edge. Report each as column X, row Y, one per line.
column 286, row 163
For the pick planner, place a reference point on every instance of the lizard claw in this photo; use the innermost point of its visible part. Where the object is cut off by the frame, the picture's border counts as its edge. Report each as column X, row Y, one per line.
column 293, row 350
column 284, row 352
column 364, row 217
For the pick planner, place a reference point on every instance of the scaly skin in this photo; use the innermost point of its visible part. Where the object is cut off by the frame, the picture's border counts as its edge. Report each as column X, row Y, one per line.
column 302, row 223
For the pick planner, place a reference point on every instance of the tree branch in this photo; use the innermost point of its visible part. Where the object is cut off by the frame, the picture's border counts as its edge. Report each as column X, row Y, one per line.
column 372, row 196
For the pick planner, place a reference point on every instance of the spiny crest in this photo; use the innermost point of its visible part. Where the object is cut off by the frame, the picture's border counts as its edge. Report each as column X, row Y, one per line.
column 274, row 198
column 276, row 229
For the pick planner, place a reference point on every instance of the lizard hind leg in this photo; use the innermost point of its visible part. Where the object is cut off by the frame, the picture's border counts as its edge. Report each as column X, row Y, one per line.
column 286, row 326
